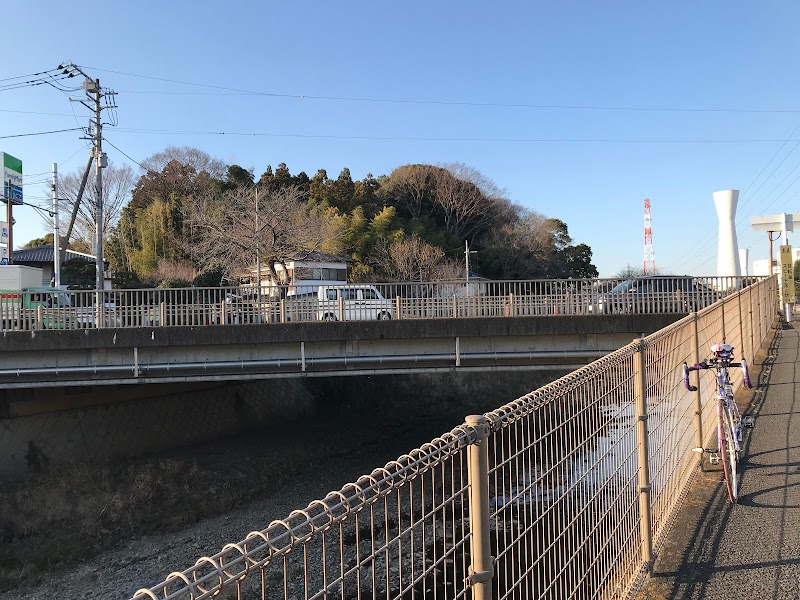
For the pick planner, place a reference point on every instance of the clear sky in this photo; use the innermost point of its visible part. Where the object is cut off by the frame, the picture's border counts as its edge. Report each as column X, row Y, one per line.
column 579, row 110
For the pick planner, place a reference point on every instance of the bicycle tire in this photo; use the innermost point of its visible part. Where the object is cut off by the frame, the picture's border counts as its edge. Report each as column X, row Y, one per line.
column 729, row 458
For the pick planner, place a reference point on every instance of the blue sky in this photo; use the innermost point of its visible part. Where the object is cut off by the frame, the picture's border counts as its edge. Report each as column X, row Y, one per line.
column 579, row 110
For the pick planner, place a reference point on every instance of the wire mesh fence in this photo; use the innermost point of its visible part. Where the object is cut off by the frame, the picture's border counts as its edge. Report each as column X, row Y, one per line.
column 562, row 493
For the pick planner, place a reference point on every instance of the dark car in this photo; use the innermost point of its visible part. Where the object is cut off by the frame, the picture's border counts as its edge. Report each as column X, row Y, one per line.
column 239, row 310
column 656, row 294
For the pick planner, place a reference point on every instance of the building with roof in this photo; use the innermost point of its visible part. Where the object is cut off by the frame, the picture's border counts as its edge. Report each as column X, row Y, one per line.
column 303, row 273
column 42, row 257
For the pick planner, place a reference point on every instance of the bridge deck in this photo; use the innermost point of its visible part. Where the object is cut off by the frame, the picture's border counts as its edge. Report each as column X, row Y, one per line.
column 750, row 550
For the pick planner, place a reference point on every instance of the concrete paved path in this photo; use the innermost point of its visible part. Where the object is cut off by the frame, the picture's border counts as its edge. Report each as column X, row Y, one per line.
column 750, row 550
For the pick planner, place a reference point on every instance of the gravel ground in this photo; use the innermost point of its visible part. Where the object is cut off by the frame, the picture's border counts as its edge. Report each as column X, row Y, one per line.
column 144, row 561
column 336, row 449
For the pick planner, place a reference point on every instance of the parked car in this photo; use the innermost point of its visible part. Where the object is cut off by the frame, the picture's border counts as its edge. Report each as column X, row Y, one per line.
column 352, row 303
column 86, row 316
column 655, row 294
column 238, row 310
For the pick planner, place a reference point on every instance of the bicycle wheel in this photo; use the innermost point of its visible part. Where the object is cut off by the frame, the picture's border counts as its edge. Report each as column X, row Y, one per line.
column 729, row 458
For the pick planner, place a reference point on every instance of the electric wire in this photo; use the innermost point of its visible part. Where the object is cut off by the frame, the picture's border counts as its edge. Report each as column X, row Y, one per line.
column 446, row 139
column 697, row 251
column 29, row 75
column 105, row 139
column 17, row 135
column 446, row 102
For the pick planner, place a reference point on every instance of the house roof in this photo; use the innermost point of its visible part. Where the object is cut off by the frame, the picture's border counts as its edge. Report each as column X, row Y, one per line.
column 314, row 256
column 44, row 254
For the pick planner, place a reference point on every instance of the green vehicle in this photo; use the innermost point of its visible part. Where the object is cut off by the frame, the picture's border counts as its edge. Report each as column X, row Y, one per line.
column 36, row 308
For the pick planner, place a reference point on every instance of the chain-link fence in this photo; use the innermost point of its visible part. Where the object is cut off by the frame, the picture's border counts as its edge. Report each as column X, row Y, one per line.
column 563, row 493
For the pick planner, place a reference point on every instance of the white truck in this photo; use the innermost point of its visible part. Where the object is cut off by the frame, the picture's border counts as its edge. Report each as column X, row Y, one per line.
column 19, row 277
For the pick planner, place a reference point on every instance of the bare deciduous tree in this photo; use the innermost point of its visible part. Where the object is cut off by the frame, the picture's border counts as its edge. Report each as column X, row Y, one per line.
column 415, row 260
column 412, row 186
column 470, row 201
column 187, row 155
column 117, row 185
column 522, row 248
column 229, row 231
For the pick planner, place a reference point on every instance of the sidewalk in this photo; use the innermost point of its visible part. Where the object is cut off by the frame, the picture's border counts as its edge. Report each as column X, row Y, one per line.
column 750, row 550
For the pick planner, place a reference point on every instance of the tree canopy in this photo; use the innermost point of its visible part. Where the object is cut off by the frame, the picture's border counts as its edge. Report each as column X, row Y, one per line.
column 192, row 214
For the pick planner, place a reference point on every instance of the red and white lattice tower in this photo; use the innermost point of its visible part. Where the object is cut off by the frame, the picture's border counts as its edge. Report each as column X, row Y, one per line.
column 649, row 256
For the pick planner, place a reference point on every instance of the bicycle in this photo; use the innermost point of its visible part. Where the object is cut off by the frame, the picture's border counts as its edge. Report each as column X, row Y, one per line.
column 730, row 420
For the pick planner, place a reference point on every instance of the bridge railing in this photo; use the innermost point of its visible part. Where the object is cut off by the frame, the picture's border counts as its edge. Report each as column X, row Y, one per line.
column 73, row 309
column 566, row 492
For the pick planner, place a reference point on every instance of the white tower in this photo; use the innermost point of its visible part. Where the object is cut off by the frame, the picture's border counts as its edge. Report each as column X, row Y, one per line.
column 728, row 247
column 744, row 261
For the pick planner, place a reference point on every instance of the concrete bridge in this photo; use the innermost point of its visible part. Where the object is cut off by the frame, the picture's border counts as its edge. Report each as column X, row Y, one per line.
column 59, row 358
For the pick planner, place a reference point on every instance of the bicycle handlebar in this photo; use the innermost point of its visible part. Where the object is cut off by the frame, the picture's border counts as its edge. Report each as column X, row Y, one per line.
column 704, row 364
column 689, row 386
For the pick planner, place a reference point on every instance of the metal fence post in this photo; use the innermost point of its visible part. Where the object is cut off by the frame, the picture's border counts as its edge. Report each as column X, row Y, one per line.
column 741, row 321
column 699, row 441
column 643, row 455
column 752, row 324
column 724, row 302
column 397, row 307
column 481, row 570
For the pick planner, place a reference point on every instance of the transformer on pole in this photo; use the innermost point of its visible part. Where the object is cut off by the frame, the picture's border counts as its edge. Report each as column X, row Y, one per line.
column 649, row 256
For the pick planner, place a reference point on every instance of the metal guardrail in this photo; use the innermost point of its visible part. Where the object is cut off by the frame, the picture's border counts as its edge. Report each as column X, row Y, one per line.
column 157, row 307
column 566, row 492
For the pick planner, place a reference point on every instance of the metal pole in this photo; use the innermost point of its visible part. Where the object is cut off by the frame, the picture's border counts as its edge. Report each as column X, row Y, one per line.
column 466, row 253
column 752, row 324
column 10, row 219
column 643, row 456
column 769, row 236
column 99, row 158
column 56, row 233
column 787, row 306
column 258, row 255
column 698, row 399
column 481, row 570
column 741, row 322
column 78, row 198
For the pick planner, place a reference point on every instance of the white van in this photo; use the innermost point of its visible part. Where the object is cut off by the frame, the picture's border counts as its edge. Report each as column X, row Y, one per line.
column 352, row 303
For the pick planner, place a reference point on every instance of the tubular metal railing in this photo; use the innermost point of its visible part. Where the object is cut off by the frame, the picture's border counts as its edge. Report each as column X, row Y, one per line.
column 566, row 492
column 73, row 309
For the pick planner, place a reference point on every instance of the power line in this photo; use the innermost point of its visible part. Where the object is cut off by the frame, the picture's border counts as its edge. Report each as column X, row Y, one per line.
column 712, row 239
column 16, row 135
column 125, row 155
column 52, row 81
column 449, row 139
column 31, row 112
column 239, row 91
column 29, row 75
